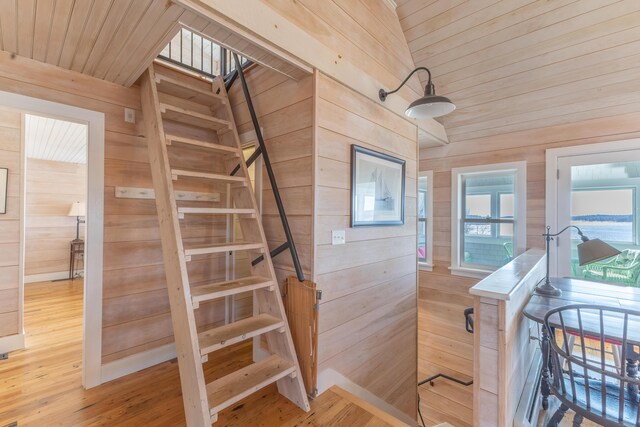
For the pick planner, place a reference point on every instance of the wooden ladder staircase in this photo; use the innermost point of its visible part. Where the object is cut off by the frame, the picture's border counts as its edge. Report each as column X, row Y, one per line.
column 171, row 106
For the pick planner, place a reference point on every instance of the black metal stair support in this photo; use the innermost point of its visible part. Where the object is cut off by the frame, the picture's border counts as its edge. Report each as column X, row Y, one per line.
column 262, row 149
column 252, row 158
column 229, row 79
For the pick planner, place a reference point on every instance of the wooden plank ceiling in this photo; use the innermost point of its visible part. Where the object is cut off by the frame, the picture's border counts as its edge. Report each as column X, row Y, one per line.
column 512, row 65
column 113, row 40
column 52, row 139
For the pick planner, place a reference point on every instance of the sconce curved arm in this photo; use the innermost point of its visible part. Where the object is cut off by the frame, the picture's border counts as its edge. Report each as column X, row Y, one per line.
column 383, row 94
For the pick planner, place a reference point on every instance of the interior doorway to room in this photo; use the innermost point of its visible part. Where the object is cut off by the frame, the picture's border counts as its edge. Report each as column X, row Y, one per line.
column 84, row 355
column 597, row 191
column 55, row 177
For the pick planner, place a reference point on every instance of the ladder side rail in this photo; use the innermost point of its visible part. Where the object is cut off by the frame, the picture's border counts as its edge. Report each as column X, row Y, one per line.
column 183, row 318
column 268, row 301
column 270, row 174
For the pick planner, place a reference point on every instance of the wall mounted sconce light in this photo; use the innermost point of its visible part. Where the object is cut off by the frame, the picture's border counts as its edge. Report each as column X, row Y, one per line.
column 429, row 106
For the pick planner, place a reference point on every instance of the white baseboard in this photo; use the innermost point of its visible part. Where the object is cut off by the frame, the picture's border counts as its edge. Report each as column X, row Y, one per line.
column 47, row 277
column 12, row 343
column 329, row 377
column 137, row 362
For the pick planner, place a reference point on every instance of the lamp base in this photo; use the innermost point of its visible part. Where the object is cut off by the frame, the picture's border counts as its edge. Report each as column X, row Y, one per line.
column 547, row 289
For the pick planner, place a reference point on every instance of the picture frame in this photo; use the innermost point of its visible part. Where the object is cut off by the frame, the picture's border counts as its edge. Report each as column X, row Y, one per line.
column 4, row 178
column 377, row 188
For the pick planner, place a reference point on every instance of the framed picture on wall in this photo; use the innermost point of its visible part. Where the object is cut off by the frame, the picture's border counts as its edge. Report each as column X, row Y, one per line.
column 4, row 176
column 377, row 188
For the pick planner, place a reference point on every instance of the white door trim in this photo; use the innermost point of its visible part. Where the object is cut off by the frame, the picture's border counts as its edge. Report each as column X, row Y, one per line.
column 92, row 324
column 553, row 157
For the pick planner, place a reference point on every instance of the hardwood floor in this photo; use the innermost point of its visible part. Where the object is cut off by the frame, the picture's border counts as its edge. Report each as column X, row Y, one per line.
column 41, row 386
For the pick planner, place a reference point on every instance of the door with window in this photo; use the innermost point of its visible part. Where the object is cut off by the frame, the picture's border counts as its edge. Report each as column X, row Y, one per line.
column 598, row 193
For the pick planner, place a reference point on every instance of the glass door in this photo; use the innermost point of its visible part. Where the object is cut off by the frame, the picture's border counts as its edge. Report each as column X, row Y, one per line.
column 598, row 193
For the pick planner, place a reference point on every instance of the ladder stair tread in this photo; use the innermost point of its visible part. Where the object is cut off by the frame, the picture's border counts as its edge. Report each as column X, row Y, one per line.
column 185, row 90
column 206, row 175
column 220, row 337
column 193, row 118
column 212, row 248
column 170, row 138
column 212, row 291
column 216, row 211
column 234, row 387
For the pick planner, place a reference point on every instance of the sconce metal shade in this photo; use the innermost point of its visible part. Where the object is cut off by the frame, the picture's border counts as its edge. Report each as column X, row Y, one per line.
column 595, row 250
column 429, row 106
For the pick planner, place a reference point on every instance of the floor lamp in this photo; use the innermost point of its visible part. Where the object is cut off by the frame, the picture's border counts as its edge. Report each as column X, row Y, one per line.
column 78, row 209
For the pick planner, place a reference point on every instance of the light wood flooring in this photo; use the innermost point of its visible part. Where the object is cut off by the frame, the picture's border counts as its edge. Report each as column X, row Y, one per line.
column 41, row 386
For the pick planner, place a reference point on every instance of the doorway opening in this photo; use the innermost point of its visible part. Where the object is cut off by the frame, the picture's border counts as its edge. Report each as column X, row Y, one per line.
column 48, row 216
column 55, row 176
column 55, row 197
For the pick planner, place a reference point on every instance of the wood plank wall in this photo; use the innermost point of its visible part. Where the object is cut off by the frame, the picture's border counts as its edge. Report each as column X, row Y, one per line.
column 11, row 152
column 357, row 42
column 136, row 313
column 31, row 78
column 444, row 346
column 368, row 307
column 367, row 33
column 51, row 188
column 285, row 111
column 135, row 306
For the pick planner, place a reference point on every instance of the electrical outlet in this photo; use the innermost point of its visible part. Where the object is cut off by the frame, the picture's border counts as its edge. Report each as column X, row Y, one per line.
column 129, row 115
column 338, row 237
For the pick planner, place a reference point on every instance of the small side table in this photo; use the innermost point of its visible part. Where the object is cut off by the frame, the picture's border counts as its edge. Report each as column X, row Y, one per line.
column 77, row 254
